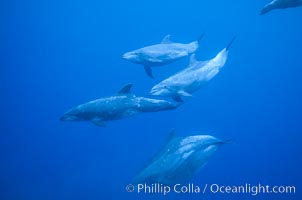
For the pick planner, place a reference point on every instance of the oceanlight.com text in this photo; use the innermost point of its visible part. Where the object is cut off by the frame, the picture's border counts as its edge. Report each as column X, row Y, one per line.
column 251, row 189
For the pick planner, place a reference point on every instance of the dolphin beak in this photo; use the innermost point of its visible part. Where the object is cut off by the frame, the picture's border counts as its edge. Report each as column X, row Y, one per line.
column 123, row 57
column 69, row 118
column 126, row 56
column 151, row 93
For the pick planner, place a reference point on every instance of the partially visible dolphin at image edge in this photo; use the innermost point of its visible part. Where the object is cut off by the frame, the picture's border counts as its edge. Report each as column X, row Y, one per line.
column 161, row 54
column 280, row 4
column 122, row 105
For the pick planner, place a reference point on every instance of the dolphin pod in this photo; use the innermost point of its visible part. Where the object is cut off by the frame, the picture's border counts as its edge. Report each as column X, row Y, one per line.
column 182, row 157
column 179, row 160
column 122, row 105
column 125, row 104
column 280, row 4
column 161, row 54
column 189, row 80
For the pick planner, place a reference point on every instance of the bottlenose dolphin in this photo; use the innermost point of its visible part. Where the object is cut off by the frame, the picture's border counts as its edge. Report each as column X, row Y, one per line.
column 192, row 78
column 122, row 105
column 180, row 159
column 161, row 54
column 280, row 4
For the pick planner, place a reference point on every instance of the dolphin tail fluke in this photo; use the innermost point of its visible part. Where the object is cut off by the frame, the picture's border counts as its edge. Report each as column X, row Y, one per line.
column 230, row 43
column 149, row 71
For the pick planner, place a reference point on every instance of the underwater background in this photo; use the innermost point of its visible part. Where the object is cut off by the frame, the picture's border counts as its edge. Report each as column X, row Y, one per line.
column 58, row 54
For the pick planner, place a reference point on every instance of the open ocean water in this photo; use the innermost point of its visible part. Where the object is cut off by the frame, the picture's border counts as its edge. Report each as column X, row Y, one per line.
column 57, row 54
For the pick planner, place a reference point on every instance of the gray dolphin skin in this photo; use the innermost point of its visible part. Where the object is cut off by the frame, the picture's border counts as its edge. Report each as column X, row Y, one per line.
column 180, row 160
column 192, row 78
column 161, row 54
column 280, row 4
column 122, row 105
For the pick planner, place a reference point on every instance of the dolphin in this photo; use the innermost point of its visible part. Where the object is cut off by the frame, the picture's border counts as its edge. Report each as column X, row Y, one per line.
column 180, row 160
column 161, row 54
column 280, row 4
column 122, row 105
column 192, row 78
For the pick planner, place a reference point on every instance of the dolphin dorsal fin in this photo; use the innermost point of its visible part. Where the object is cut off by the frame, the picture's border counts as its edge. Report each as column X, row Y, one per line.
column 192, row 59
column 126, row 89
column 166, row 40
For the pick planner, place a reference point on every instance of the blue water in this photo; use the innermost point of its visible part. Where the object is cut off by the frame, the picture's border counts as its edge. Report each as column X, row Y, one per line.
column 58, row 54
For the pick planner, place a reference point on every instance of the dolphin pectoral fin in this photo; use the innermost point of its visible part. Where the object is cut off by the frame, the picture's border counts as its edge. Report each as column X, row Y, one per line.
column 148, row 71
column 177, row 99
column 98, row 122
column 166, row 40
column 193, row 59
column 126, row 89
column 184, row 93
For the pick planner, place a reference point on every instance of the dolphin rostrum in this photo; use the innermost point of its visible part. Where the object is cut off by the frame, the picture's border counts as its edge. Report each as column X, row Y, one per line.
column 122, row 105
column 180, row 159
column 192, row 78
column 161, row 54
column 280, row 4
